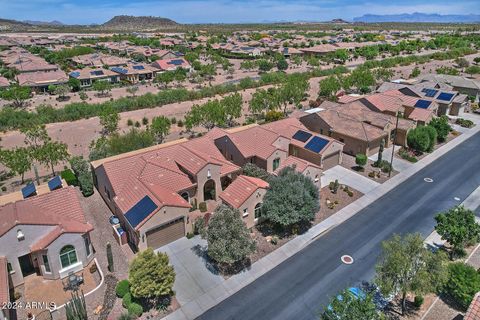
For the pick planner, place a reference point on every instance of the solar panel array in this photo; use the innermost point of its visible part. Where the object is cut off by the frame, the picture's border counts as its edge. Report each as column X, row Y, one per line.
column 445, row 96
column 139, row 67
column 430, row 92
column 176, row 62
column 301, row 135
column 316, row 144
column 140, row 211
column 120, row 70
column 75, row 74
column 423, row 104
column 55, row 183
column 97, row 73
column 29, row 190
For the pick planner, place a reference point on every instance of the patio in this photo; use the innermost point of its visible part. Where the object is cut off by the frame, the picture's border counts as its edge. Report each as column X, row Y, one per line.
column 37, row 289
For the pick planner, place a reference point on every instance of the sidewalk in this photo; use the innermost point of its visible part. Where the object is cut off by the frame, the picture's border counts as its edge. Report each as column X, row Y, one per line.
column 195, row 308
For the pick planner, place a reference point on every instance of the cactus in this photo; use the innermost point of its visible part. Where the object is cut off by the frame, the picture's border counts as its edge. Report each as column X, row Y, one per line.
column 335, row 186
column 380, row 152
column 76, row 309
column 111, row 267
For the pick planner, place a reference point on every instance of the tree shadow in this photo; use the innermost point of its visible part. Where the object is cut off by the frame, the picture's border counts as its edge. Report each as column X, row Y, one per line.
column 202, row 252
column 220, row 268
column 270, row 229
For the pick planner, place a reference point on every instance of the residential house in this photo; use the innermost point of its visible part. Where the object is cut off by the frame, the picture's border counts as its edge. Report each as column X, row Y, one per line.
column 473, row 312
column 88, row 76
column 4, row 289
column 468, row 86
column 40, row 80
column 171, row 64
column 44, row 234
column 134, row 73
column 290, row 52
column 99, row 60
column 246, row 194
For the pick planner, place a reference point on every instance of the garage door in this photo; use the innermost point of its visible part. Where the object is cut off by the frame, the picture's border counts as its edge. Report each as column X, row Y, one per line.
column 166, row 233
column 330, row 161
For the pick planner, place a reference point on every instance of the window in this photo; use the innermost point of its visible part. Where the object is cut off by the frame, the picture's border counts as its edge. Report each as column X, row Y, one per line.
column 87, row 245
column 68, row 256
column 9, row 268
column 276, row 163
column 186, row 196
column 258, row 210
column 46, row 264
column 245, row 212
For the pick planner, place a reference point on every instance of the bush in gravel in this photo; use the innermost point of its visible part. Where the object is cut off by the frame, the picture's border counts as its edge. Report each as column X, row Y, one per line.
column 135, row 309
column 122, row 288
column 463, row 283
column 127, row 300
column 361, row 160
column 418, row 301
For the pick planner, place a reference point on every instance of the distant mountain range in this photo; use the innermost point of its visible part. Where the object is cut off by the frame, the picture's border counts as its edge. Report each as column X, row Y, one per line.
column 44, row 23
column 137, row 23
column 419, row 17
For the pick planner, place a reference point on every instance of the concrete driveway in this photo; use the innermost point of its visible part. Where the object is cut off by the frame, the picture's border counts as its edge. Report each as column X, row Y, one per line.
column 398, row 164
column 194, row 274
column 350, row 178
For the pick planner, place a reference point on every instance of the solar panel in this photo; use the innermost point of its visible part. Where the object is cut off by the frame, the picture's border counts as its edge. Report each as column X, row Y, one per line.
column 96, row 73
column 55, row 183
column 445, row 96
column 301, row 135
column 138, row 67
column 430, row 92
column 316, row 144
column 176, row 62
column 120, row 70
column 423, row 104
column 29, row 190
column 75, row 74
column 140, row 211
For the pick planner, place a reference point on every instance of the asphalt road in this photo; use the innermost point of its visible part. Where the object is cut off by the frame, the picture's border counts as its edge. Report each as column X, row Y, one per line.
column 301, row 286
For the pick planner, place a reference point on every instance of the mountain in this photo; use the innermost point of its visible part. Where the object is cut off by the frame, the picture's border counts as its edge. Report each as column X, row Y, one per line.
column 13, row 25
column 419, row 17
column 138, row 23
column 44, row 23
column 339, row 21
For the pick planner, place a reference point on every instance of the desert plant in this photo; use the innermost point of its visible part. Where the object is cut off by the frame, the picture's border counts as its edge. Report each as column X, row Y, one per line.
column 135, row 309
column 122, row 288
column 418, row 301
column 75, row 308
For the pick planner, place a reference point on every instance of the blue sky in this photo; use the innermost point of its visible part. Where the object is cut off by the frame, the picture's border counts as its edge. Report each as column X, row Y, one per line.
column 222, row 11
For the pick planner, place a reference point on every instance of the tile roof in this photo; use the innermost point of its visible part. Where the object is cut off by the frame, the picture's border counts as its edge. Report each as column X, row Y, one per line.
column 4, row 82
column 92, row 73
column 241, row 189
column 171, row 64
column 299, row 164
column 4, row 287
column 42, row 78
column 473, row 312
column 419, row 114
column 60, row 208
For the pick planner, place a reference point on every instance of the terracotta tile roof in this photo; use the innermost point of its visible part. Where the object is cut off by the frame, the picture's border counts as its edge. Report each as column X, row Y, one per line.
column 171, row 64
column 383, row 102
column 42, row 78
column 4, row 82
column 256, row 141
column 92, row 73
column 241, row 189
column 473, row 312
column 348, row 98
column 419, row 114
column 4, row 288
column 299, row 164
column 59, row 208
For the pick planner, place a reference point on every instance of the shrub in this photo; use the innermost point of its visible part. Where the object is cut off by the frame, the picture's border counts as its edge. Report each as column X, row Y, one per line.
column 180, row 123
column 361, row 160
column 350, row 193
column 273, row 116
column 464, row 123
column 199, row 225
column 86, row 184
column 202, row 206
column 463, row 283
column 129, row 122
column 173, row 120
column 190, row 235
column 135, row 309
column 69, row 177
column 144, row 121
column 127, row 300
column 385, row 166
column 418, row 301
column 422, row 138
column 406, row 155
column 137, row 124
column 122, row 288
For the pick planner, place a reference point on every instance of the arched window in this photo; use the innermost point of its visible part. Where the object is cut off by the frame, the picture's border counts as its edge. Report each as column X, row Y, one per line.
column 68, row 256
column 258, row 210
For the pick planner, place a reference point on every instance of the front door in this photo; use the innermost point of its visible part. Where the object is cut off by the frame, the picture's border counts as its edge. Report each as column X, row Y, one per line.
column 26, row 265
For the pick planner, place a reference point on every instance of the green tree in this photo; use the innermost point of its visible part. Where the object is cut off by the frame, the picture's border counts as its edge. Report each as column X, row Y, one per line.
column 361, row 78
column 17, row 160
column 74, row 84
column 228, row 237
column 405, row 265
column 282, row 64
column 463, row 283
column 102, row 86
column 329, row 87
column 361, row 160
column 247, row 65
column 160, row 128
column 165, row 78
column 457, row 226
column 462, row 62
column 291, row 199
column 52, row 153
column 341, row 54
column 83, row 95
column 251, row 170
column 263, row 100
column 232, row 105
column 264, row 65
column 292, row 91
column 61, row 91
column 109, row 119
column 347, row 306
column 383, row 74
column 442, row 127
column 132, row 90
column 422, row 138
column 151, row 276
column 17, row 95
column 415, row 72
